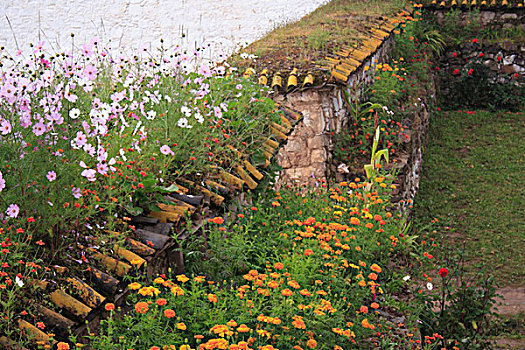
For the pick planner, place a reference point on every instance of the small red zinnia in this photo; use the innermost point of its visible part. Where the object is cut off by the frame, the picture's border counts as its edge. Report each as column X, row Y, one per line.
column 443, row 272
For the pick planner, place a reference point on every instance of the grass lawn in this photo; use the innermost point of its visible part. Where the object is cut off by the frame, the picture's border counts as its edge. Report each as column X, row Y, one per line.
column 473, row 184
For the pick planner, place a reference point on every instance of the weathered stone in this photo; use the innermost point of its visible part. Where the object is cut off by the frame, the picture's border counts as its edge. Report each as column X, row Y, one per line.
column 300, row 159
column 507, row 16
column 295, row 146
column 318, row 156
column 507, row 69
column 283, row 160
column 509, row 59
column 487, row 16
column 317, row 142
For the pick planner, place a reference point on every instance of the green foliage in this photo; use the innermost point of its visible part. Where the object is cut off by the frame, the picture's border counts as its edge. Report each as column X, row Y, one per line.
column 459, row 306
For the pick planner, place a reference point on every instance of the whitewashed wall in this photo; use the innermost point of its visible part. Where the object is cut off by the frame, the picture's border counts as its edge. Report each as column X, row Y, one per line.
column 128, row 24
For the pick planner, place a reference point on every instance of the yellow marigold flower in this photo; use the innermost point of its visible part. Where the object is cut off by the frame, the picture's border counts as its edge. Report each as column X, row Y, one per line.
column 212, row 298
column 134, row 286
column 182, row 278
column 177, row 291
column 158, row 280
column 243, row 328
column 181, row 326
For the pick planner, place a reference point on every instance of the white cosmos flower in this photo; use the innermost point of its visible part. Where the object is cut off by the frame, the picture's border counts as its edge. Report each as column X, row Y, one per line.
column 183, row 123
column 19, row 281
column 429, row 286
column 74, row 113
column 199, row 117
column 151, row 115
column 186, row 111
column 406, row 278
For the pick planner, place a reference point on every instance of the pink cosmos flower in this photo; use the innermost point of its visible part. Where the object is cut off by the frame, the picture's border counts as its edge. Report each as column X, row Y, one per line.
column 217, row 111
column 39, row 129
column 2, row 182
column 102, row 168
column 205, row 70
column 90, row 72
column 77, row 193
column 89, row 174
column 5, row 127
column 51, row 176
column 12, row 211
column 166, row 150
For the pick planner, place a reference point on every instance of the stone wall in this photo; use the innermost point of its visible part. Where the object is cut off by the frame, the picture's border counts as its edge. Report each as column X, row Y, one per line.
column 127, row 24
column 306, row 157
column 505, row 18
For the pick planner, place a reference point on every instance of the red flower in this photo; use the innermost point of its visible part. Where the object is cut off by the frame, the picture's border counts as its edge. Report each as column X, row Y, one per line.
column 454, row 54
column 516, row 75
column 481, row 54
column 443, row 272
column 470, row 71
column 474, row 40
column 456, row 71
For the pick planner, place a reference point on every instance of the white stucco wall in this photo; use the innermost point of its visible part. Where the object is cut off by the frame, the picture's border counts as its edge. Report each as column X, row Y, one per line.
column 127, row 24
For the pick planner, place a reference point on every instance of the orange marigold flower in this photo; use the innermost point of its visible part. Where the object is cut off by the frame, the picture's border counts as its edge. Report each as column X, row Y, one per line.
column 367, row 324
column 374, row 305
column 305, row 292
column 141, row 307
column 286, row 292
column 298, row 322
column 369, row 225
column 375, row 268
column 212, row 298
column 354, row 221
column 231, row 323
column 278, row 266
column 154, row 348
column 311, row 343
column 169, row 313
column 161, row 302
column 62, row 346
column 198, row 336
column 217, row 220
column 199, row 279
column 294, row 284
column 372, row 276
column 363, row 309
column 109, row 306
column 181, row 326
column 308, row 252
column 243, row 328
